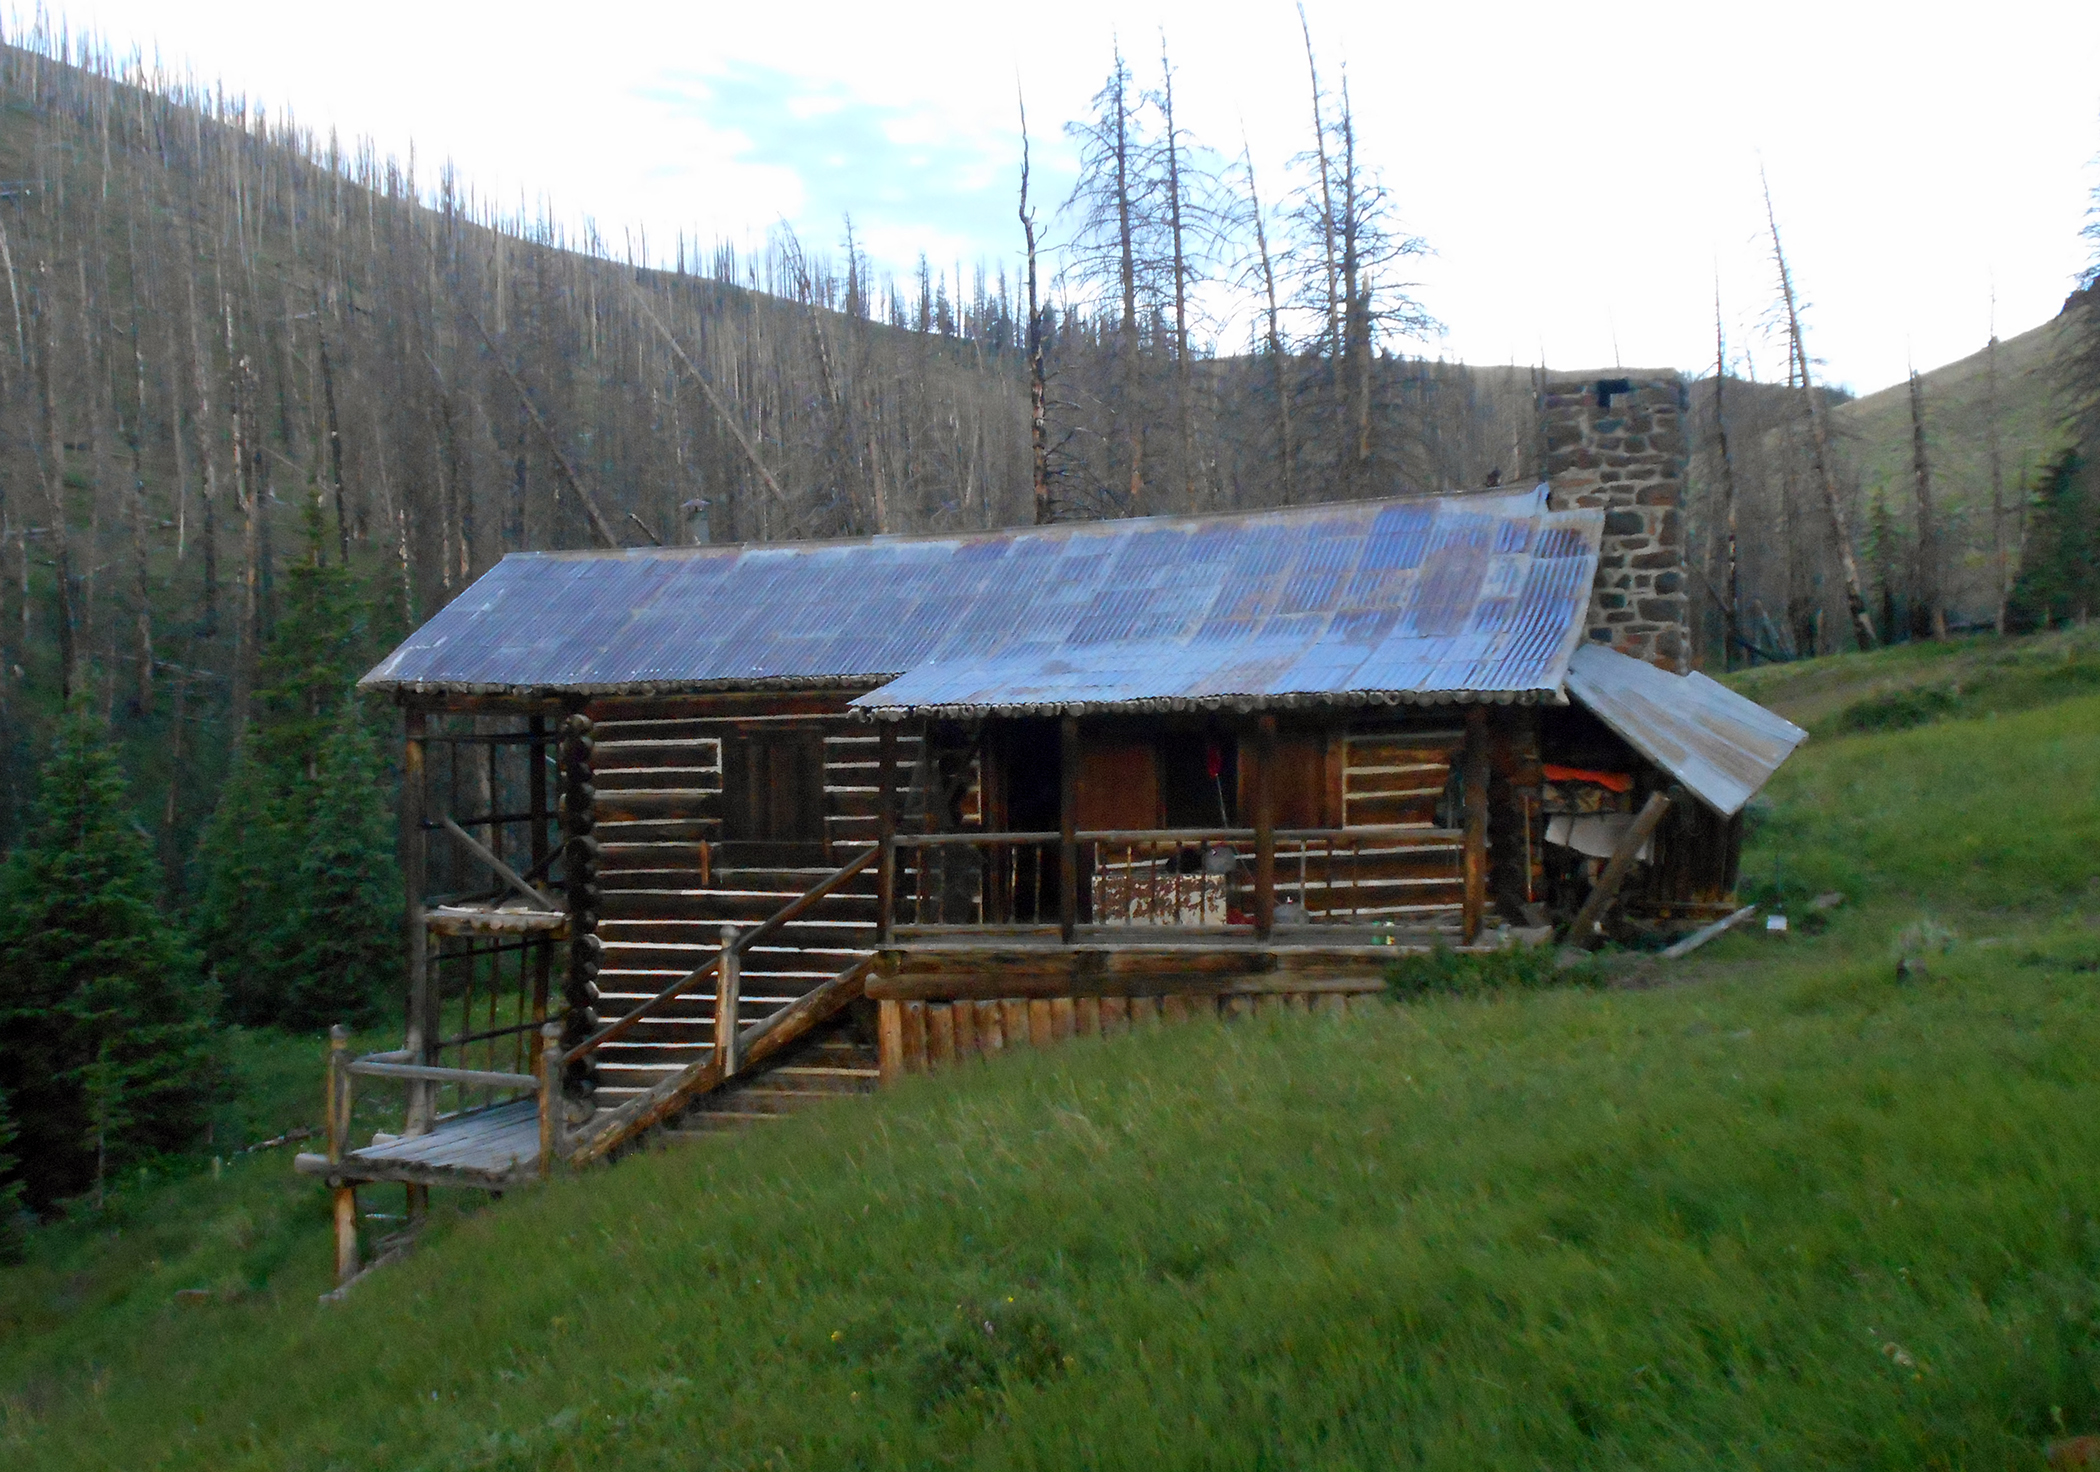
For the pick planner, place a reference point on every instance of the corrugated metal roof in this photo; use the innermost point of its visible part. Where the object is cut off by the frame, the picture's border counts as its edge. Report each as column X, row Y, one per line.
column 1477, row 596
column 1720, row 745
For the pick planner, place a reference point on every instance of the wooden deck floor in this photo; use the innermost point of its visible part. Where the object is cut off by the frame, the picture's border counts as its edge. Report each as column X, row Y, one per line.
column 487, row 1148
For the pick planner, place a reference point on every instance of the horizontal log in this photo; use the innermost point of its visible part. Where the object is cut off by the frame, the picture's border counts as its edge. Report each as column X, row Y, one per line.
column 1003, row 986
column 416, row 1175
column 428, row 1073
column 725, row 705
column 443, row 921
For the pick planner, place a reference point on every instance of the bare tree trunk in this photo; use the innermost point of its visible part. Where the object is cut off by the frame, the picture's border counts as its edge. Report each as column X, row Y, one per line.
column 1356, row 296
column 1181, row 282
column 142, row 583
column 1127, row 329
column 239, row 419
column 1732, row 631
column 1929, row 616
column 54, row 470
column 335, row 438
column 1038, row 415
column 2001, row 590
column 207, row 437
column 1278, row 361
column 1855, row 598
column 1334, row 287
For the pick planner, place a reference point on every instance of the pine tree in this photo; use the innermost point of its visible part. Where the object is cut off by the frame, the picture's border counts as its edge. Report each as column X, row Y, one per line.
column 254, row 853
column 245, row 859
column 342, row 941
column 106, row 1046
column 2060, row 568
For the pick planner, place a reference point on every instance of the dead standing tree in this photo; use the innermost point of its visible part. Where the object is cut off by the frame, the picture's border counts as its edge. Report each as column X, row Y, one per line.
column 1038, row 418
column 1113, row 198
column 1928, row 613
column 1826, row 475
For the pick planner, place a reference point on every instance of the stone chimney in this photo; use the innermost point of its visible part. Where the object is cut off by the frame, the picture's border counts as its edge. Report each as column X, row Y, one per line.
column 1615, row 440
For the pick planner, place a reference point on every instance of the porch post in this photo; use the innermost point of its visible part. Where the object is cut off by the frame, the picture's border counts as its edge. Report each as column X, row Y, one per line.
column 886, row 831
column 1068, row 828
column 421, row 1095
column 1475, row 778
column 1264, row 824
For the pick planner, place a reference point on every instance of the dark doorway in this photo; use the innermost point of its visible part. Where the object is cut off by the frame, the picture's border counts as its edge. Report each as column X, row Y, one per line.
column 773, row 790
column 1199, row 778
column 1032, row 760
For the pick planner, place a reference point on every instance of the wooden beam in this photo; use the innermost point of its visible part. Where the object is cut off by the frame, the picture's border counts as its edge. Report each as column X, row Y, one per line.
column 474, row 1078
column 728, row 979
column 1151, row 976
column 1068, row 827
column 889, row 1035
column 501, row 870
column 344, row 1204
column 421, row 1032
column 1264, row 824
column 553, row 1124
column 1474, row 786
column 1583, row 931
column 886, row 831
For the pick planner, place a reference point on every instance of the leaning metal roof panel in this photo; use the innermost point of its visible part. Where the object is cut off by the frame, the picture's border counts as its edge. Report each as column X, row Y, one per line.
column 1465, row 597
column 1720, row 745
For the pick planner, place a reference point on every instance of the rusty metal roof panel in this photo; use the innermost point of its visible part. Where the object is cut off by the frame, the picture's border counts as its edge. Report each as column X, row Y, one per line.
column 1475, row 596
column 1722, row 746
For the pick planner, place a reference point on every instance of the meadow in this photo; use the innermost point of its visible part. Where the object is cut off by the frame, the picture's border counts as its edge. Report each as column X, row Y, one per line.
column 1779, row 1205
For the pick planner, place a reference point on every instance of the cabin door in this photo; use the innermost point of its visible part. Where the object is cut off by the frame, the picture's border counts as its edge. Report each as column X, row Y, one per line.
column 773, row 789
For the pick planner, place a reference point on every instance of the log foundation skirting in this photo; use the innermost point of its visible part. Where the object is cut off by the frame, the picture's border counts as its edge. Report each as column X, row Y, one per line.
column 919, row 1036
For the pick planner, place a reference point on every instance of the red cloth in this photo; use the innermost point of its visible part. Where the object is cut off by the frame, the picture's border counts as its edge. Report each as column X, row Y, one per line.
column 1610, row 781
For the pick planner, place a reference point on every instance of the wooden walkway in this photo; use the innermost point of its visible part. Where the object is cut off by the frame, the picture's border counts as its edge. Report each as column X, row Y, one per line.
column 491, row 1149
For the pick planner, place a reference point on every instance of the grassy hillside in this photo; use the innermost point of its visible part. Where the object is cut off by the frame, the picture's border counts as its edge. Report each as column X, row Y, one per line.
column 1957, row 419
column 1875, row 435
column 1790, row 1213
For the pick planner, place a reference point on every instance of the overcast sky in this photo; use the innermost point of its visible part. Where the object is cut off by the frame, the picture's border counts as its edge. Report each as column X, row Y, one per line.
column 1583, row 172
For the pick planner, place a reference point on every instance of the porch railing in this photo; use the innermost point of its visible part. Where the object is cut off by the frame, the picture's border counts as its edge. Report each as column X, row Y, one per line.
column 1180, row 880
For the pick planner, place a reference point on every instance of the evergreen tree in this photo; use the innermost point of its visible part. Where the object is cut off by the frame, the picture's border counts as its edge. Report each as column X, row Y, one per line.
column 2060, row 568
column 245, row 859
column 277, row 807
column 342, row 940
column 106, row 1047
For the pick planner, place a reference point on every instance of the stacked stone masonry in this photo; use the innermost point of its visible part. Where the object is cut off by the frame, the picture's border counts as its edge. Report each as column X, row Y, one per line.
column 1615, row 440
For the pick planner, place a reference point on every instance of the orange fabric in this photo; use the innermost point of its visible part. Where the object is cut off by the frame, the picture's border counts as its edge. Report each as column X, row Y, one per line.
column 1610, row 781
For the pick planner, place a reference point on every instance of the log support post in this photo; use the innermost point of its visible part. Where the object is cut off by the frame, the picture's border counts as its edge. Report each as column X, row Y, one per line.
column 886, row 832
column 1583, row 932
column 422, row 1030
column 728, row 982
column 553, row 1126
column 889, row 1035
column 1068, row 828
column 1474, row 783
column 337, row 1104
column 542, row 814
column 580, row 870
column 1264, row 825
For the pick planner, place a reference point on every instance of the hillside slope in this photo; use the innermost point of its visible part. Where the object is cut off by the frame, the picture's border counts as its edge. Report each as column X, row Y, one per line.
column 1801, row 1214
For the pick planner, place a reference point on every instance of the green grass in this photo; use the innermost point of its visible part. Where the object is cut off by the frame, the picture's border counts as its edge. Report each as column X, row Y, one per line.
column 1795, row 1212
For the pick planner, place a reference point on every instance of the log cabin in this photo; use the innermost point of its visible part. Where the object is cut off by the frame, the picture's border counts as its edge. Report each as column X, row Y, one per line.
column 693, row 834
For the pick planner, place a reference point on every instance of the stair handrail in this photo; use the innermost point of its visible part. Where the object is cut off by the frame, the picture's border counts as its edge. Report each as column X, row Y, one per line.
column 763, row 930
column 756, row 1043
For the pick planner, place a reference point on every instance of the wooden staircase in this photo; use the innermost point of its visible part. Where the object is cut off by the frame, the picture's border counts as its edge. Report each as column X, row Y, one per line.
column 839, row 1060
column 658, row 925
